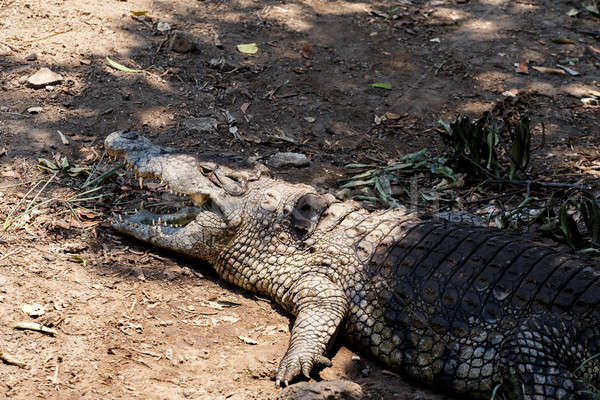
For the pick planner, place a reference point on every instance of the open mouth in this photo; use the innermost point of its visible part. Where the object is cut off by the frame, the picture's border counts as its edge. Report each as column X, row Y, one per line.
column 179, row 174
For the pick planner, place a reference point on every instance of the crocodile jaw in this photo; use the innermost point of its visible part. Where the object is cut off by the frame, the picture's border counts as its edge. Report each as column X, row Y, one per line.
column 197, row 232
column 192, row 230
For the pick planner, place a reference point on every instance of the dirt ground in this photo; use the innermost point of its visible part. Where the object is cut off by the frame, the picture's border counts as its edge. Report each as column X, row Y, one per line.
column 134, row 322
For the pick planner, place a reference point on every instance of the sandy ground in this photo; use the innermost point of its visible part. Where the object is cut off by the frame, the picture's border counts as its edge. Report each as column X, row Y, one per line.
column 135, row 322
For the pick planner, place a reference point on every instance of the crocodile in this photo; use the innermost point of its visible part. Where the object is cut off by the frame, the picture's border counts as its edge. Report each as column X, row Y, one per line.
column 468, row 309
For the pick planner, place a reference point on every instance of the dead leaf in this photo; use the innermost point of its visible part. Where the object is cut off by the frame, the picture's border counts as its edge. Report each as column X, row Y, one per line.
column 61, row 223
column 522, row 68
column 244, row 107
column 305, row 52
column 551, row 71
column 87, row 214
column 392, row 116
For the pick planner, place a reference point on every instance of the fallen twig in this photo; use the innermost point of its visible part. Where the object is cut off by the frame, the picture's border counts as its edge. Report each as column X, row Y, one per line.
column 10, row 253
column 34, row 326
column 48, row 36
column 11, row 361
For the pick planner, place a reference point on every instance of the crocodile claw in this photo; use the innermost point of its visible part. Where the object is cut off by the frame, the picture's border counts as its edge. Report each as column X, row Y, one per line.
column 293, row 364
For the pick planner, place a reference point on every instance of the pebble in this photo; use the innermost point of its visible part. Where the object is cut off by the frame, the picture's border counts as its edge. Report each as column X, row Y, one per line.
column 163, row 26
column 34, row 110
column 279, row 160
column 181, row 42
column 43, row 78
column 31, row 57
column 201, row 125
column 325, row 390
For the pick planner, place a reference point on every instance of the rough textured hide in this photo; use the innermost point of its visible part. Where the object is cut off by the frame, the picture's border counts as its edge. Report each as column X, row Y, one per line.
column 466, row 308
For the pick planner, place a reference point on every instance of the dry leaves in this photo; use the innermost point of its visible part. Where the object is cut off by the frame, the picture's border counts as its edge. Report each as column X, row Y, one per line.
column 522, row 68
column 551, row 71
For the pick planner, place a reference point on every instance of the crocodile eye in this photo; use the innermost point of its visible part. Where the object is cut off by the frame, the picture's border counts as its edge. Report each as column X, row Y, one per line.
column 306, row 213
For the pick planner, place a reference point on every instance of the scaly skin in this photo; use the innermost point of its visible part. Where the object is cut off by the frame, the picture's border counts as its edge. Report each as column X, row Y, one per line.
column 463, row 307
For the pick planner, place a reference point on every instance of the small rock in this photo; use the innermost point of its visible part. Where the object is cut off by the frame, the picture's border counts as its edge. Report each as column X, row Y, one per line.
column 163, row 26
column 221, row 64
column 3, row 109
column 31, row 57
column 5, row 50
column 49, row 88
column 279, row 160
column 33, row 310
column 34, row 110
column 324, row 390
column 201, row 125
column 43, row 78
column 181, row 42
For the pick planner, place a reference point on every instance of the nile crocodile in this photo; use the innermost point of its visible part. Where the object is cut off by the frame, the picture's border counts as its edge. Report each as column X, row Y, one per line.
column 466, row 308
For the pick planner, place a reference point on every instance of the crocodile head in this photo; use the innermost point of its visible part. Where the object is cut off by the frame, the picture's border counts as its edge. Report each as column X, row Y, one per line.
column 226, row 201
column 217, row 192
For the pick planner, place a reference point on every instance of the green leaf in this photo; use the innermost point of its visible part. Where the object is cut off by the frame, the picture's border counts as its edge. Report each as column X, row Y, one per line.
column 562, row 41
column 75, row 171
column 121, row 67
column 138, row 13
column 568, row 227
column 572, row 12
column 64, row 163
column 590, row 212
column 444, row 171
column 249, row 48
column 435, row 196
column 47, row 165
column 416, row 156
column 368, row 182
column 79, row 259
column 591, row 7
column 364, row 175
column 446, row 127
column 382, row 85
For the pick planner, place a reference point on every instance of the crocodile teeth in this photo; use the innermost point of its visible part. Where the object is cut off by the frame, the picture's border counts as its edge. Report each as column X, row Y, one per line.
column 159, row 221
column 120, row 218
column 142, row 205
column 141, row 182
column 153, row 223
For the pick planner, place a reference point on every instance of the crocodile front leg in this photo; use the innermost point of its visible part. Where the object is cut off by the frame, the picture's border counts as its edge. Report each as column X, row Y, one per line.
column 320, row 306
